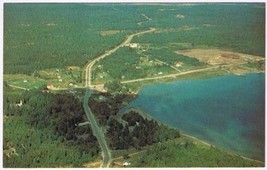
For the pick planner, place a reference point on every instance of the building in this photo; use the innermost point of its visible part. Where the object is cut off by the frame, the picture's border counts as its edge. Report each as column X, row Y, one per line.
column 126, row 163
column 19, row 104
column 132, row 45
column 178, row 64
column 49, row 86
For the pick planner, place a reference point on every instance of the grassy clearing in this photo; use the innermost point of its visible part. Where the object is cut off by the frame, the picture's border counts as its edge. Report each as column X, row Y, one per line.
column 109, row 32
column 143, row 61
column 71, row 76
column 128, row 64
column 60, row 78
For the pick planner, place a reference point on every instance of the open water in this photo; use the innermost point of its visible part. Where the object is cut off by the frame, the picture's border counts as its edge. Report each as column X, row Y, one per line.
column 226, row 111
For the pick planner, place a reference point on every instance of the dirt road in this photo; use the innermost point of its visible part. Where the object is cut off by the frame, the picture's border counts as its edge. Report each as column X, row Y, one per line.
column 18, row 87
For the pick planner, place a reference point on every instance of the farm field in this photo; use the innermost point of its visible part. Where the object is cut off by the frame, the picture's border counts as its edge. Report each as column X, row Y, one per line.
column 70, row 69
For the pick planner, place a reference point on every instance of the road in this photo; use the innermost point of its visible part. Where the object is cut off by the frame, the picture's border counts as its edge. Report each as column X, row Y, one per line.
column 18, row 87
column 97, row 131
column 166, row 76
column 106, row 154
column 168, row 65
column 170, row 75
column 88, row 74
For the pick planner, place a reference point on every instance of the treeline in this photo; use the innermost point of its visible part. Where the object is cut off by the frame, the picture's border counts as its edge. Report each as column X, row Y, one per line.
column 59, row 116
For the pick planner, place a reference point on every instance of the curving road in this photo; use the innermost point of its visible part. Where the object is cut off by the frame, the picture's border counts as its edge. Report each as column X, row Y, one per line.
column 88, row 74
column 90, row 116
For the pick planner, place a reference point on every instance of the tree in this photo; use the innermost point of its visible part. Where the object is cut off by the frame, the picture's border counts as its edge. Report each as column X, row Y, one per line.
column 126, row 156
column 113, row 86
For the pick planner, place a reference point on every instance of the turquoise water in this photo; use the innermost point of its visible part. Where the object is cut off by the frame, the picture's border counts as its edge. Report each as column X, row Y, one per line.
column 226, row 111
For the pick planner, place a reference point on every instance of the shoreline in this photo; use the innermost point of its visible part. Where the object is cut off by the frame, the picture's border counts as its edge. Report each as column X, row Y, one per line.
column 146, row 115
column 167, row 80
column 193, row 138
column 199, row 141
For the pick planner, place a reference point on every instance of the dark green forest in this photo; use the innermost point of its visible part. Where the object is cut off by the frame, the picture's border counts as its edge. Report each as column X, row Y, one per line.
column 234, row 27
column 185, row 153
column 42, row 36
column 45, row 130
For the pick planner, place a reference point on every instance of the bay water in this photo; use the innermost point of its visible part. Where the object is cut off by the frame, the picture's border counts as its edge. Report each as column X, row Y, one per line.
column 226, row 111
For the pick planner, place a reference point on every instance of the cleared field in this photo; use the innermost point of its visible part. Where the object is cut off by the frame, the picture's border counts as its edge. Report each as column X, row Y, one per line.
column 220, row 57
column 128, row 63
column 109, row 32
column 141, row 61
column 233, row 62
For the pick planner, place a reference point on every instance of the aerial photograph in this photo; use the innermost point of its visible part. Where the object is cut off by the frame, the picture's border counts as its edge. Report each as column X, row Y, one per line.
column 123, row 85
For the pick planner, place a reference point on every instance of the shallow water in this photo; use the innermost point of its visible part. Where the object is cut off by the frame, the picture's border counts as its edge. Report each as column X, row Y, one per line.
column 226, row 111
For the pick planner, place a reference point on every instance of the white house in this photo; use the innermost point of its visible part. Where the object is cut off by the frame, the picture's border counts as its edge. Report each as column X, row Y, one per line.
column 126, row 163
column 19, row 104
column 49, row 86
column 132, row 45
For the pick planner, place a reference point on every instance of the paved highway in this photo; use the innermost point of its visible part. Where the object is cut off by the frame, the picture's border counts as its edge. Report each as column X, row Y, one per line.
column 170, row 75
column 88, row 78
column 97, row 131
column 88, row 74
